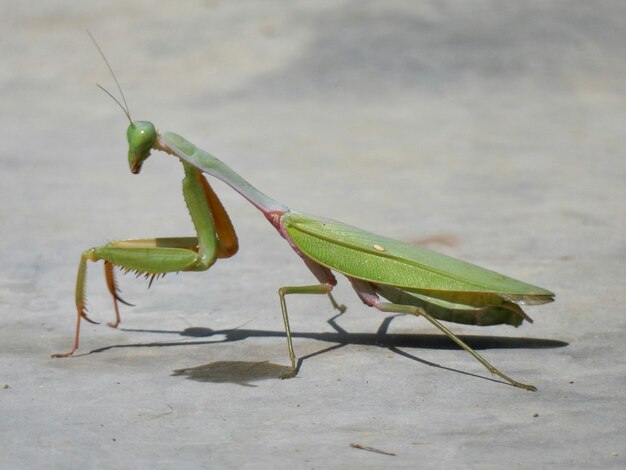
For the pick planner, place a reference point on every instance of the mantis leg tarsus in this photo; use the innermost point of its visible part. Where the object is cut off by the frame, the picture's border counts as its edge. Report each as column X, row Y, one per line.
column 282, row 292
column 289, row 375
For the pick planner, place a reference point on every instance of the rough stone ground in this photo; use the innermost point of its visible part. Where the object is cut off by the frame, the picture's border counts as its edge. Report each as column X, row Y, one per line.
column 491, row 131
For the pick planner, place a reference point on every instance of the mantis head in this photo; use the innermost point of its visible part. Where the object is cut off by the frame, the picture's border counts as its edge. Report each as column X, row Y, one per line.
column 141, row 135
column 141, row 138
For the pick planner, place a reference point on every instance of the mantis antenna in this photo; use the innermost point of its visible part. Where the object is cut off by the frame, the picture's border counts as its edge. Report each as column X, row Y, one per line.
column 125, row 106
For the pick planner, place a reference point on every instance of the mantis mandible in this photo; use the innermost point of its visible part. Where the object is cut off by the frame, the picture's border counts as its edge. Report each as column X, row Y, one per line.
column 411, row 280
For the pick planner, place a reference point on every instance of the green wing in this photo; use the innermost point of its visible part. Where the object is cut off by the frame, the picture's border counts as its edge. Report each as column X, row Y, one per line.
column 364, row 255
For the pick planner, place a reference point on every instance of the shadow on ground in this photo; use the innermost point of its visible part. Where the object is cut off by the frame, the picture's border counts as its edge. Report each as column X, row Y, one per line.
column 245, row 372
column 239, row 372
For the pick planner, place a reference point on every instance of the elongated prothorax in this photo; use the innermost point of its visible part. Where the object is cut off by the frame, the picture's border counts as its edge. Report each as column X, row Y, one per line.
column 178, row 146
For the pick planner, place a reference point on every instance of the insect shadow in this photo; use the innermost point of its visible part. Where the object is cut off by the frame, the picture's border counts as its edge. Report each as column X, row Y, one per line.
column 245, row 372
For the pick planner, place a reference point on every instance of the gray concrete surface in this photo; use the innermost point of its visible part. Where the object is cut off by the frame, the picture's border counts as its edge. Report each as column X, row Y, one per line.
column 492, row 131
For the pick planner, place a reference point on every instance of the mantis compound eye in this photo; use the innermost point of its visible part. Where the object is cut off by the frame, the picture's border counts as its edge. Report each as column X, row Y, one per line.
column 141, row 137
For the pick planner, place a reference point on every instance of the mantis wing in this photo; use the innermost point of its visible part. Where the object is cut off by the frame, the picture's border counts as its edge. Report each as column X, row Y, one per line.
column 380, row 260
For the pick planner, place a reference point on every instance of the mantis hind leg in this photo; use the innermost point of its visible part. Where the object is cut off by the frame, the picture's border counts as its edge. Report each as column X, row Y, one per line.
column 368, row 295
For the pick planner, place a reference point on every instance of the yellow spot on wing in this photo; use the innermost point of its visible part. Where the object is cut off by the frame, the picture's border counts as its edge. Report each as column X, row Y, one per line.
column 378, row 247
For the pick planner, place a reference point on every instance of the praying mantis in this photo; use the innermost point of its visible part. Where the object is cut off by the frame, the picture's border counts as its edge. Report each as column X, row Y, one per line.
column 386, row 274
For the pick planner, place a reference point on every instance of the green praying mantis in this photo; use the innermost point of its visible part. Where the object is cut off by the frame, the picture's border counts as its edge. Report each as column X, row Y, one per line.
column 386, row 274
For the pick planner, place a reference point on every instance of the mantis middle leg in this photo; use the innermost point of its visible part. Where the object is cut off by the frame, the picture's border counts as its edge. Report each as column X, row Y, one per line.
column 327, row 282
